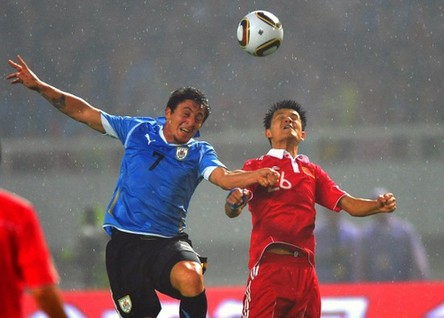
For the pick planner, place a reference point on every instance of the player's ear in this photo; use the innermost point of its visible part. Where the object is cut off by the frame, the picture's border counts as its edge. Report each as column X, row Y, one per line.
column 168, row 113
column 267, row 133
column 303, row 135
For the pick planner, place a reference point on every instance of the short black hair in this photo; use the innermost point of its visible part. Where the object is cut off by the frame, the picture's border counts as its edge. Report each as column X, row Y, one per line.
column 191, row 93
column 290, row 104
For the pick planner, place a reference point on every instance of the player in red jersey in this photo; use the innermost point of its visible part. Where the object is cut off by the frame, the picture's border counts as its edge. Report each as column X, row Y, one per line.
column 282, row 280
column 25, row 261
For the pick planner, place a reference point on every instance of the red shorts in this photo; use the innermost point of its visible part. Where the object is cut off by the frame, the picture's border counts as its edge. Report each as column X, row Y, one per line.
column 282, row 286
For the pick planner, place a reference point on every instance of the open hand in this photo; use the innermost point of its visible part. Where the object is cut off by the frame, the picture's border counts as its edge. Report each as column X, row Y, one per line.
column 23, row 74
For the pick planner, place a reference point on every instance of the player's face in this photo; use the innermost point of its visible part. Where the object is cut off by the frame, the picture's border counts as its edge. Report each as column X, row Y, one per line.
column 184, row 122
column 285, row 125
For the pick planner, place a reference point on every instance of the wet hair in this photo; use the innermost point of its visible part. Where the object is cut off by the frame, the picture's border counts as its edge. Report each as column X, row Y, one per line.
column 188, row 93
column 289, row 104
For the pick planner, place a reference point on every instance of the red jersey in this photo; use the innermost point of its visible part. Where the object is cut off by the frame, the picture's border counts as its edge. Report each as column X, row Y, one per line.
column 286, row 213
column 25, row 259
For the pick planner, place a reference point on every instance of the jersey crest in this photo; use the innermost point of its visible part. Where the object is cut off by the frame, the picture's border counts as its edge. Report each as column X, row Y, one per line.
column 308, row 172
column 125, row 304
column 181, row 153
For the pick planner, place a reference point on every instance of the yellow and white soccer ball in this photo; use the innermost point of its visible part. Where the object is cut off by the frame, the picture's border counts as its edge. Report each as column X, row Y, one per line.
column 260, row 33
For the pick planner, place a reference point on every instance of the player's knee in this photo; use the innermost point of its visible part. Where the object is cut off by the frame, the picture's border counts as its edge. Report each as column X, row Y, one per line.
column 187, row 278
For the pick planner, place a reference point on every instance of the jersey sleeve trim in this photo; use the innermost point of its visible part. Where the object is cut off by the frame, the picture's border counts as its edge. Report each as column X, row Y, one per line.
column 208, row 171
column 109, row 130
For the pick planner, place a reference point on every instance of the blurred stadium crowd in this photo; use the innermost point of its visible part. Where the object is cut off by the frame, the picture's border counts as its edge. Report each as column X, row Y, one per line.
column 349, row 62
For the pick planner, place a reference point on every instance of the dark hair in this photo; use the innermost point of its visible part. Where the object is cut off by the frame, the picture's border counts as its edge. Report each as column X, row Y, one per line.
column 290, row 104
column 191, row 93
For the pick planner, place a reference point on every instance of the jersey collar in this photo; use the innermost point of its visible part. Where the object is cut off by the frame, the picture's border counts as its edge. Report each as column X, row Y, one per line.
column 280, row 154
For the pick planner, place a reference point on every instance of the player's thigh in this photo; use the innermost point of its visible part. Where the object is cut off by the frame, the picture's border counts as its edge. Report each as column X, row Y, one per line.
column 176, row 252
column 260, row 294
column 128, row 269
column 282, row 287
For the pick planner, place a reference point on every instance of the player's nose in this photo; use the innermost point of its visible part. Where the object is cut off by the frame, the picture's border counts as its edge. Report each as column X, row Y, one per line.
column 288, row 120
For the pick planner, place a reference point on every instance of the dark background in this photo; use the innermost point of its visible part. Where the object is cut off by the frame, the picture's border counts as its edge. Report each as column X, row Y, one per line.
column 369, row 74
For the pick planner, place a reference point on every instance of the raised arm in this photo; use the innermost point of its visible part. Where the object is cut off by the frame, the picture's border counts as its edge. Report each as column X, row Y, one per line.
column 385, row 203
column 71, row 105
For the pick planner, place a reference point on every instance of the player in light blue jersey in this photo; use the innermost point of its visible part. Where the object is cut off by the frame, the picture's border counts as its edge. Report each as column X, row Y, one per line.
column 146, row 218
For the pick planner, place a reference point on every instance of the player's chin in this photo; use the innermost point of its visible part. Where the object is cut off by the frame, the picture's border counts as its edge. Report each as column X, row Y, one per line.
column 183, row 138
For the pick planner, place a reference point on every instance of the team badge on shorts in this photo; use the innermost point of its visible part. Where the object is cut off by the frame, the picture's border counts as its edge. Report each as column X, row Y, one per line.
column 181, row 153
column 125, row 304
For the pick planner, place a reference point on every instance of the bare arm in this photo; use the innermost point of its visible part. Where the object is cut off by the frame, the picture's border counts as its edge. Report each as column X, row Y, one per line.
column 239, row 178
column 362, row 207
column 49, row 300
column 71, row 105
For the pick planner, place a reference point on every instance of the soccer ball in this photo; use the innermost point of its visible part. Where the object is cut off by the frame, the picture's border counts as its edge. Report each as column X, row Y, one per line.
column 260, row 33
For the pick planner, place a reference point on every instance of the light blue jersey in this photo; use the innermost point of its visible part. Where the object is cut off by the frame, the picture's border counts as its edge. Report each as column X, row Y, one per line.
column 157, row 179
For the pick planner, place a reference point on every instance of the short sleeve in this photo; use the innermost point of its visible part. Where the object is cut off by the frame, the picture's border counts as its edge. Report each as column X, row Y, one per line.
column 328, row 192
column 120, row 126
column 209, row 162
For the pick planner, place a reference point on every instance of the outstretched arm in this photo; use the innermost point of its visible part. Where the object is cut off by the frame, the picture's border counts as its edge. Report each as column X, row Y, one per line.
column 228, row 180
column 237, row 181
column 385, row 203
column 71, row 105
